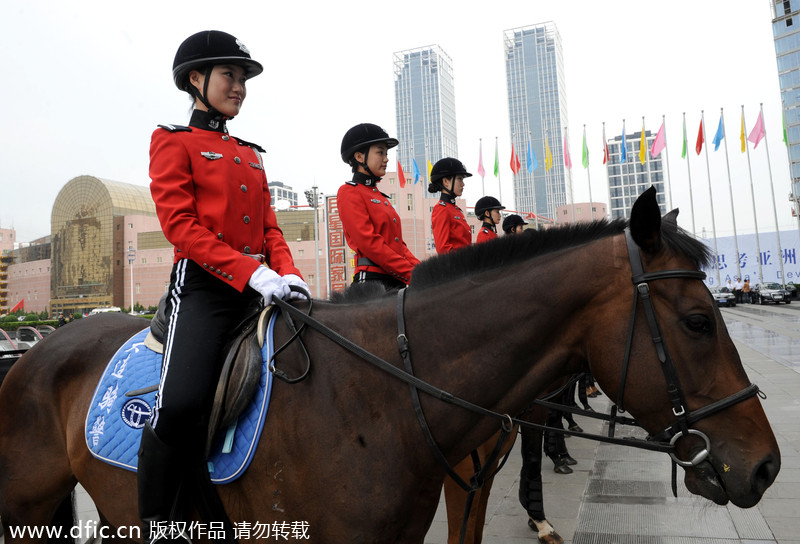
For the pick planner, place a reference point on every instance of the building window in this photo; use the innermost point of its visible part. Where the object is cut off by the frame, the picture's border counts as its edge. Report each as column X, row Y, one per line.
column 310, row 279
column 301, row 252
column 138, row 288
column 410, row 202
column 158, row 259
column 130, row 245
column 130, row 225
column 144, row 260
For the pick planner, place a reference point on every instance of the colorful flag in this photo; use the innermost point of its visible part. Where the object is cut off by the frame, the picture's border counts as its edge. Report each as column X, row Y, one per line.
column 741, row 135
column 699, row 145
column 719, row 135
column 659, row 143
column 533, row 164
column 400, row 175
column 624, row 149
column 416, row 171
column 514, row 160
column 430, row 168
column 758, row 131
column 585, row 151
column 683, row 152
column 496, row 160
column 567, row 158
column 481, row 170
column 642, row 147
column 605, row 145
column 548, row 157
column 785, row 139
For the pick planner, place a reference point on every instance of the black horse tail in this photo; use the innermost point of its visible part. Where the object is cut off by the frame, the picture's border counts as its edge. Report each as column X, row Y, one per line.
column 63, row 521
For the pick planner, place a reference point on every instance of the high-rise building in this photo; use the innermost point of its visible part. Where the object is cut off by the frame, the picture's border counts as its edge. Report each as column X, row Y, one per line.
column 630, row 178
column 280, row 191
column 786, row 31
column 425, row 107
column 537, row 111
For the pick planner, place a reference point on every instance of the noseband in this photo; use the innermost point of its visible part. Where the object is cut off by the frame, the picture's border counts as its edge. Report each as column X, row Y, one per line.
column 641, row 289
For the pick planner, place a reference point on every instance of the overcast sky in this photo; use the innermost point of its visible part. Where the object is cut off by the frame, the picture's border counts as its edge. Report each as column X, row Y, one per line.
column 85, row 83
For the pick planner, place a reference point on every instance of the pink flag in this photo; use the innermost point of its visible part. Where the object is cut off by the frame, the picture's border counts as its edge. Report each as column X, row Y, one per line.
column 758, row 132
column 481, row 170
column 659, row 143
column 567, row 158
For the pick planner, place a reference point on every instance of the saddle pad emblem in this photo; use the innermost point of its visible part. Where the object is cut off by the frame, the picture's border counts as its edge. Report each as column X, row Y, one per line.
column 114, row 421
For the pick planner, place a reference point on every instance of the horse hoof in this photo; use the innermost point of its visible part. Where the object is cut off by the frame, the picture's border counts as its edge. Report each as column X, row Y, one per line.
column 576, row 428
column 545, row 532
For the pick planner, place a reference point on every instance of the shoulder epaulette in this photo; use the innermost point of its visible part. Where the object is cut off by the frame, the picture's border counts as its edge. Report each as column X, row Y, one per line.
column 442, row 203
column 250, row 144
column 176, row 128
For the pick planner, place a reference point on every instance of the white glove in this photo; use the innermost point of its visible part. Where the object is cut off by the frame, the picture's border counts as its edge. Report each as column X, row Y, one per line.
column 267, row 282
column 297, row 281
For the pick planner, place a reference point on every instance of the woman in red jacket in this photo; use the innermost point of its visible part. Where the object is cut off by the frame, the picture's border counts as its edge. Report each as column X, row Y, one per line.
column 487, row 209
column 450, row 228
column 371, row 225
column 213, row 203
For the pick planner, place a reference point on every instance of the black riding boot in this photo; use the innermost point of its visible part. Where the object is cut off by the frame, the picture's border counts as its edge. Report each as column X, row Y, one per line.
column 160, row 474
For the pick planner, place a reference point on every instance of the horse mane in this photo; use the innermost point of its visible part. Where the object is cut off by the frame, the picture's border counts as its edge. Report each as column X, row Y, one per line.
column 509, row 250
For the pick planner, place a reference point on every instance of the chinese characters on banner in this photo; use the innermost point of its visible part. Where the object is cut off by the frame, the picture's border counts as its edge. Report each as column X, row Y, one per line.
column 337, row 248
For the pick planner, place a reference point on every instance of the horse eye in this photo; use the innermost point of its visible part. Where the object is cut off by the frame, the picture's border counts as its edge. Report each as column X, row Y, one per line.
column 698, row 323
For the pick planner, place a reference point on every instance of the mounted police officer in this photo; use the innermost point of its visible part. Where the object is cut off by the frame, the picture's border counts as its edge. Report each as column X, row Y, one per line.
column 371, row 225
column 213, row 203
column 450, row 228
column 514, row 224
column 487, row 209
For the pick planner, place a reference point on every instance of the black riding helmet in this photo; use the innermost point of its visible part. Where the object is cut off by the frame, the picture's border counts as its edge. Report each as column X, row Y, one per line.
column 485, row 204
column 360, row 138
column 204, row 50
column 511, row 222
column 445, row 168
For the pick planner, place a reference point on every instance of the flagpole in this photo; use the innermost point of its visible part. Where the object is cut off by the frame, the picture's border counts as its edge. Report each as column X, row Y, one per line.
column 772, row 188
column 497, row 160
column 666, row 160
column 795, row 196
column 588, row 176
column 566, row 152
column 753, row 199
column 646, row 150
column 711, row 197
column 413, row 199
column 533, row 189
column 689, row 171
column 500, row 185
column 480, row 147
column 730, row 191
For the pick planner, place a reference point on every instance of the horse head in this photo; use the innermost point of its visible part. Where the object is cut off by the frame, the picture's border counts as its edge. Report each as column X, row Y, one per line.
column 686, row 368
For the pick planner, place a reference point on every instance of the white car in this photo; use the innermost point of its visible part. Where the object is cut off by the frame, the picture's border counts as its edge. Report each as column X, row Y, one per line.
column 723, row 296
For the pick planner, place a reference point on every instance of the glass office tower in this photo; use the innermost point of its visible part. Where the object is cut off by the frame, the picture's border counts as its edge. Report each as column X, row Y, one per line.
column 425, row 107
column 786, row 31
column 630, row 178
column 537, row 108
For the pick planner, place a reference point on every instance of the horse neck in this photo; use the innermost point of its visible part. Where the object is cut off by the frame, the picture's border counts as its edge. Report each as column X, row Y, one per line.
column 540, row 311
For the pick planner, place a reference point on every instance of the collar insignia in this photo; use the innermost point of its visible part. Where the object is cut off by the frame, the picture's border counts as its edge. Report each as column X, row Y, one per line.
column 210, row 155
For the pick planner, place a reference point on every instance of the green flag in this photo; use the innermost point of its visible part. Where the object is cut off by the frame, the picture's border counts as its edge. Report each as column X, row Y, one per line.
column 785, row 139
column 496, row 162
column 683, row 153
column 585, row 155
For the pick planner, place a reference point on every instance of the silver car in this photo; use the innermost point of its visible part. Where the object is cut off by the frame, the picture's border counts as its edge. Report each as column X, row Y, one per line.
column 723, row 296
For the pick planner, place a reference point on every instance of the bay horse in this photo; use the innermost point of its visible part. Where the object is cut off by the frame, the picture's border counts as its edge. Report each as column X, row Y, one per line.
column 342, row 451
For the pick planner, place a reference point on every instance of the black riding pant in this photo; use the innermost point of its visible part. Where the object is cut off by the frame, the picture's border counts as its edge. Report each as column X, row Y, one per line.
column 201, row 313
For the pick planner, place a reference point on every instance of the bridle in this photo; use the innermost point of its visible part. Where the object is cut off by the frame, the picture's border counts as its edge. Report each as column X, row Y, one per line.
column 663, row 442
column 641, row 289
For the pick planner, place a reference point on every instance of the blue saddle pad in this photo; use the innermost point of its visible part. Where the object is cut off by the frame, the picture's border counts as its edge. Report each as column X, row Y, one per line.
column 114, row 422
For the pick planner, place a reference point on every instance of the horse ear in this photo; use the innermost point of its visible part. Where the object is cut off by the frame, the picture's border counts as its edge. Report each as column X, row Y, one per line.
column 670, row 220
column 645, row 221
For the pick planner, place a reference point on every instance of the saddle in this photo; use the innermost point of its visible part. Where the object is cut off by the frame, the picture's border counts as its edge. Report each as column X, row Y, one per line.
column 241, row 370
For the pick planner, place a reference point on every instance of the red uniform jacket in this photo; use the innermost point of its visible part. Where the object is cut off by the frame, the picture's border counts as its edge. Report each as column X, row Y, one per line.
column 213, row 203
column 450, row 228
column 373, row 230
column 485, row 234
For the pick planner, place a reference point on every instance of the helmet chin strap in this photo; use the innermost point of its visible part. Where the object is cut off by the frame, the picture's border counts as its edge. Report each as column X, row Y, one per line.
column 365, row 167
column 202, row 95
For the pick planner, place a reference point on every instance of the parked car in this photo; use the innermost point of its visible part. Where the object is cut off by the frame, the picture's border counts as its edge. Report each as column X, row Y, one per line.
column 770, row 292
column 723, row 296
column 792, row 288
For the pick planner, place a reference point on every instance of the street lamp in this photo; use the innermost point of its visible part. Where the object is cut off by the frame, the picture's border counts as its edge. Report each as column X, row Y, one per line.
column 313, row 200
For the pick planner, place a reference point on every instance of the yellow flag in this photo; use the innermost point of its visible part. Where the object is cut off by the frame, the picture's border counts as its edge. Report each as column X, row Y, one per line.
column 548, row 157
column 430, row 167
column 642, row 147
column 742, row 136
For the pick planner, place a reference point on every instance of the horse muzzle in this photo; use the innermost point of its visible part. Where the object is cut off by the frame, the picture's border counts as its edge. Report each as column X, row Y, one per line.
column 720, row 483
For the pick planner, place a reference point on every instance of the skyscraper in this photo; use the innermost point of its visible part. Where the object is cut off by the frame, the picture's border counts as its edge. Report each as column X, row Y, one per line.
column 537, row 111
column 628, row 179
column 786, row 30
column 425, row 107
